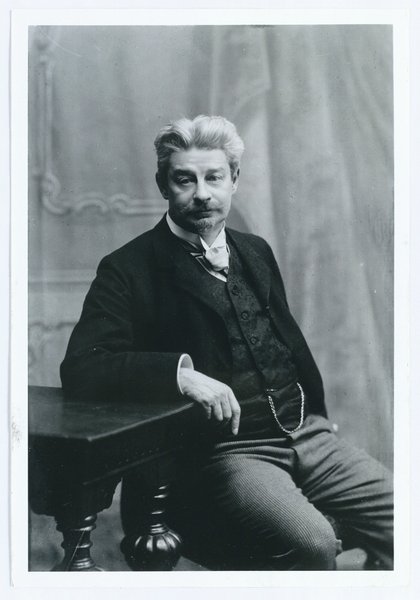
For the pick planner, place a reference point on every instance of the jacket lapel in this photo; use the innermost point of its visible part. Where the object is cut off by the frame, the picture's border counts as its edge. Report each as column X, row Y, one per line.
column 256, row 266
column 182, row 268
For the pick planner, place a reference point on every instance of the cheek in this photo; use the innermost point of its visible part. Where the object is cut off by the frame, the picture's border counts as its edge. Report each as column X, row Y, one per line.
column 226, row 197
column 181, row 200
column 177, row 195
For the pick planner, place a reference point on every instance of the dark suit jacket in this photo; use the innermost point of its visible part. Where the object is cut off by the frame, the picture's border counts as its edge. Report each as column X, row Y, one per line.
column 149, row 303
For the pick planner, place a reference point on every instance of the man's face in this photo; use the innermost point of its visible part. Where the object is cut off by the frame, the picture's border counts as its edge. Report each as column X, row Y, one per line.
column 199, row 189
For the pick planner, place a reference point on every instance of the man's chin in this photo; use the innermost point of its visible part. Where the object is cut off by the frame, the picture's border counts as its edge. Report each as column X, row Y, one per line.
column 205, row 224
column 202, row 225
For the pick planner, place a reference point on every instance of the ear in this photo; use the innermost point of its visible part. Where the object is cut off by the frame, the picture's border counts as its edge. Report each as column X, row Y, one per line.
column 162, row 186
column 235, row 180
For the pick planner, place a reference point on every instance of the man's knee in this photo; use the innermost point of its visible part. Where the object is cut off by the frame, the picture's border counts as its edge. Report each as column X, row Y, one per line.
column 320, row 552
column 313, row 548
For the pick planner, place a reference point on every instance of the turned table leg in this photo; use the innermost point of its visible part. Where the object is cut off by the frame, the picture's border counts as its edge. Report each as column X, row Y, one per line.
column 76, row 544
column 155, row 547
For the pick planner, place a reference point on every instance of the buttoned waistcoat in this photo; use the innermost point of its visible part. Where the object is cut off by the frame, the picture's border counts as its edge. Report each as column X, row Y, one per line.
column 147, row 306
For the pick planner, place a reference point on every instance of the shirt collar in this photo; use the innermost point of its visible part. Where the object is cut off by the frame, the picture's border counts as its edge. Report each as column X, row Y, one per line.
column 195, row 238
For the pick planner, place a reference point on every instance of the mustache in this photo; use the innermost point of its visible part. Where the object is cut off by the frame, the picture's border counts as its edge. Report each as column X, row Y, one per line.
column 202, row 208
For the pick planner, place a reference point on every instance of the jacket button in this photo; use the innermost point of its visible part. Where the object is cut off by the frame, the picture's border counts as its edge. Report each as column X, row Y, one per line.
column 245, row 315
column 253, row 339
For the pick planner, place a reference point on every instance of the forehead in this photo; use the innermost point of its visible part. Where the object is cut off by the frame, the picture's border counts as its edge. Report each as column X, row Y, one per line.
column 198, row 160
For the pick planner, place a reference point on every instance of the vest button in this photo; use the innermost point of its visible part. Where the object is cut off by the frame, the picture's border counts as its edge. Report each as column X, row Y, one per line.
column 235, row 290
column 253, row 339
column 245, row 315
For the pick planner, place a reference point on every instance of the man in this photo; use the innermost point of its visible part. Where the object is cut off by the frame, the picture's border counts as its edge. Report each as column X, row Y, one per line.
column 193, row 308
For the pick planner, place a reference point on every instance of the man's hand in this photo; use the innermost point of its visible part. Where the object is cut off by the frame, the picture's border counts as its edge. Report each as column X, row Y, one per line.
column 215, row 397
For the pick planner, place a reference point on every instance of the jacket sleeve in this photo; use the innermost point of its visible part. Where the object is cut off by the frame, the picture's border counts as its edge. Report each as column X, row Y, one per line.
column 102, row 359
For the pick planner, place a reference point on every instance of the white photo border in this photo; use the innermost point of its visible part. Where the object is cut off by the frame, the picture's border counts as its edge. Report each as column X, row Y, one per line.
column 21, row 21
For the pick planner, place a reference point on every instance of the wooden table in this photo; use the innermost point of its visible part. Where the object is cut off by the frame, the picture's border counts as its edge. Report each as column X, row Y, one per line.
column 78, row 452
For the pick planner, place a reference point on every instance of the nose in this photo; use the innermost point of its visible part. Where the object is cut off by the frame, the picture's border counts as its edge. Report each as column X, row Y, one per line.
column 201, row 193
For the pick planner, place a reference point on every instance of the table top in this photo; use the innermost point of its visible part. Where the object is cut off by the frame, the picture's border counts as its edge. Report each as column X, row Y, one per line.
column 53, row 417
column 75, row 445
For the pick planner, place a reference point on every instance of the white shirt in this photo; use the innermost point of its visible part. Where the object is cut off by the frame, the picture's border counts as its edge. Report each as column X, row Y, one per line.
column 218, row 245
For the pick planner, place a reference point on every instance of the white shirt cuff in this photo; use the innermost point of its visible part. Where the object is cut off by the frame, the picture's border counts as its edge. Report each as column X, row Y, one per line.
column 185, row 362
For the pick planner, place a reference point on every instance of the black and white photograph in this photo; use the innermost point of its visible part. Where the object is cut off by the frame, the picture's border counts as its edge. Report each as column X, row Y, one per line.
column 212, row 233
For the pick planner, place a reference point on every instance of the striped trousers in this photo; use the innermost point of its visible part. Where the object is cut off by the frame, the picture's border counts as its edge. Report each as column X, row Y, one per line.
column 267, row 501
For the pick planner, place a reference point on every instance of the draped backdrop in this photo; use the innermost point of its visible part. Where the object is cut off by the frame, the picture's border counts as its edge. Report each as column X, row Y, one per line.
column 314, row 107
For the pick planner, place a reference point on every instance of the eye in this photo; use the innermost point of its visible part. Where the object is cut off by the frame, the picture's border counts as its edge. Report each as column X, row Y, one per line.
column 214, row 177
column 183, row 180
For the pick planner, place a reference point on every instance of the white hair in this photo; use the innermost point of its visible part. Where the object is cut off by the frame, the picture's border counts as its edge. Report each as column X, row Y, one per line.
column 207, row 132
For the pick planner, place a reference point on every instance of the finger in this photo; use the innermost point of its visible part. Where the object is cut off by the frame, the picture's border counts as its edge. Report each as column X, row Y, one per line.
column 236, row 413
column 217, row 411
column 207, row 410
column 226, row 408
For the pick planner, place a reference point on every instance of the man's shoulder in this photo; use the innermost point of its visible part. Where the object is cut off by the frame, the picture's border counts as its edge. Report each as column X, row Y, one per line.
column 135, row 252
column 255, row 241
column 141, row 242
